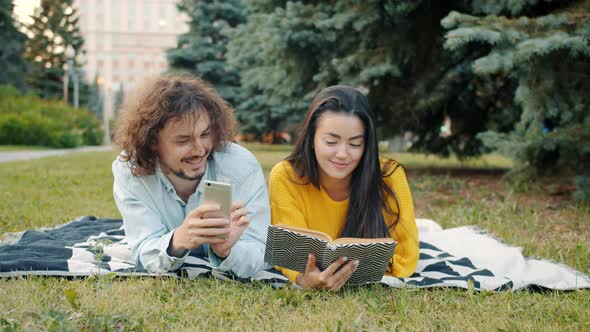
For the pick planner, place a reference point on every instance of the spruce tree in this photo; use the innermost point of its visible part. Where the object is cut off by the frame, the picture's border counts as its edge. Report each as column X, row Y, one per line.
column 393, row 50
column 12, row 66
column 54, row 27
column 548, row 59
column 512, row 73
column 202, row 49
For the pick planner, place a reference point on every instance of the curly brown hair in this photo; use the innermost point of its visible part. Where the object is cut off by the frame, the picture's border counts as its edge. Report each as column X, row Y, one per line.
column 147, row 111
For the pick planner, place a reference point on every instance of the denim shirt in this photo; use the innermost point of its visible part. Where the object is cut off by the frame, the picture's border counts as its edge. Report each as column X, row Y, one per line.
column 152, row 210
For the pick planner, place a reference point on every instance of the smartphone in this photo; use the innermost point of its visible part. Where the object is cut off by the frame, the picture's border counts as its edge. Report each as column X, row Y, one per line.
column 221, row 194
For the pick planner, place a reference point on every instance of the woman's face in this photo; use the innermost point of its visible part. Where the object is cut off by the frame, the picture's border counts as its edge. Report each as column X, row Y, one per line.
column 339, row 143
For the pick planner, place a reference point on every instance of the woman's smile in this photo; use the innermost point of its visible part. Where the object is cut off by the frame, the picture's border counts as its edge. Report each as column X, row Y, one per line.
column 340, row 165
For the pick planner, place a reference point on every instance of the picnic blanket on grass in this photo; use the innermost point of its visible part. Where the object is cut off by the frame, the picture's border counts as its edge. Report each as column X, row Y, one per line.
column 463, row 257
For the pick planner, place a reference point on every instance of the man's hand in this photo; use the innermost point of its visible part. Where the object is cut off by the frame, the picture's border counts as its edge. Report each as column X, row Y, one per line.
column 197, row 230
column 332, row 278
column 239, row 223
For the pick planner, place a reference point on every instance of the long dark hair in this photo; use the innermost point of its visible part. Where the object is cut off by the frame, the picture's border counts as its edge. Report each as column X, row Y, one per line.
column 368, row 190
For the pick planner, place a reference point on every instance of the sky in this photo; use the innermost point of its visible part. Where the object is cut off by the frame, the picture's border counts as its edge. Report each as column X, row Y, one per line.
column 23, row 9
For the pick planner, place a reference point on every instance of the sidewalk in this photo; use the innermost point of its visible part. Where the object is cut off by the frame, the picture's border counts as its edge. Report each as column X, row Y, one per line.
column 27, row 155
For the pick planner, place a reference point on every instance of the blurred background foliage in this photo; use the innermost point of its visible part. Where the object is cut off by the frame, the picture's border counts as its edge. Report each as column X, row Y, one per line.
column 34, row 61
column 463, row 77
column 30, row 120
column 455, row 78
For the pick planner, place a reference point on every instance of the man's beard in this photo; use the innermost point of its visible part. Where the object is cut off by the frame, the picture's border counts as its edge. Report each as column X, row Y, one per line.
column 179, row 173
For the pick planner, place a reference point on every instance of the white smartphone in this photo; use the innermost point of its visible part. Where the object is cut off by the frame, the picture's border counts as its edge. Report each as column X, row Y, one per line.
column 221, row 194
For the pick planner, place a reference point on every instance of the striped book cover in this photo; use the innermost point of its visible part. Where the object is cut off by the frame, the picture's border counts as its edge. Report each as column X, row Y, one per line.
column 289, row 246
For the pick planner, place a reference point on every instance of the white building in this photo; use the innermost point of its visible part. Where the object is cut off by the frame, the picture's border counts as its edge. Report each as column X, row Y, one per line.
column 125, row 41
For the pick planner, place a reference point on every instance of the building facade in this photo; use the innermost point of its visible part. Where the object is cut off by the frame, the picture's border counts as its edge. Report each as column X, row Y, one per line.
column 125, row 42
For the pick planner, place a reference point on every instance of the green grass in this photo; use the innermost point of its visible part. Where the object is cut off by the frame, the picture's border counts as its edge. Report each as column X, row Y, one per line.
column 421, row 161
column 54, row 190
column 51, row 191
column 11, row 148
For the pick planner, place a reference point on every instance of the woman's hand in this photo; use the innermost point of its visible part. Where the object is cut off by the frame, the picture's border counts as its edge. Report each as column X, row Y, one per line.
column 332, row 278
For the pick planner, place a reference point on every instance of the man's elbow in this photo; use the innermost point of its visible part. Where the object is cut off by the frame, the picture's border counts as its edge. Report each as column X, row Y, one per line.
column 251, row 265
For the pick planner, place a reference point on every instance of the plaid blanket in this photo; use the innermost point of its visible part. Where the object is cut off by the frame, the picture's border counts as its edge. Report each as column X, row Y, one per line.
column 463, row 257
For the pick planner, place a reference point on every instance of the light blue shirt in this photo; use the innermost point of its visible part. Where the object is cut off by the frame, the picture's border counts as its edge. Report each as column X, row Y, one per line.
column 152, row 210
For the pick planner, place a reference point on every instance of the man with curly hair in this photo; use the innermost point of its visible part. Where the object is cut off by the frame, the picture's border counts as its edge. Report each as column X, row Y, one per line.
column 176, row 132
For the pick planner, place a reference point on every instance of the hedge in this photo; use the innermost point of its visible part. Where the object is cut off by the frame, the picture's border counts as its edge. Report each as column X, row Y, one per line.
column 29, row 120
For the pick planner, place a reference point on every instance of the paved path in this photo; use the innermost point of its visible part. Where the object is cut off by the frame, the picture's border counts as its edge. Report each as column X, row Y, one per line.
column 26, row 155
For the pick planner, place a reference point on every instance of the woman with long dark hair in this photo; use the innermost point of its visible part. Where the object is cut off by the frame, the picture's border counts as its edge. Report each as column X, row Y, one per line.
column 334, row 181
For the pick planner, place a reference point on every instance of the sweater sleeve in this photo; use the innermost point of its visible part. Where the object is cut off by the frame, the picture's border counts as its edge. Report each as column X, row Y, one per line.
column 284, row 206
column 405, row 258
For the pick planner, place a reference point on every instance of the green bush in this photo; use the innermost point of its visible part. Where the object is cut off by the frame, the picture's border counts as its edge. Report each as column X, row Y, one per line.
column 29, row 120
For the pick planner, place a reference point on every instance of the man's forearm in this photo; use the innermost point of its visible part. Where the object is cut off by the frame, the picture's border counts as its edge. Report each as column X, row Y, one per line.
column 154, row 256
column 175, row 249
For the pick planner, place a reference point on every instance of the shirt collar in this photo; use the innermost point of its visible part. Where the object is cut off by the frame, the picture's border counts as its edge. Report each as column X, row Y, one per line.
column 164, row 179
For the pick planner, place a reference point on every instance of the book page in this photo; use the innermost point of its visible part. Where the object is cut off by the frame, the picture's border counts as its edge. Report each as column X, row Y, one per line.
column 373, row 259
column 310, row 232
column 349, row 240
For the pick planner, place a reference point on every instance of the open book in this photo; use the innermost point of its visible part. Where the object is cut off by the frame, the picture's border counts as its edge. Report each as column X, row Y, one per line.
column 289, row 247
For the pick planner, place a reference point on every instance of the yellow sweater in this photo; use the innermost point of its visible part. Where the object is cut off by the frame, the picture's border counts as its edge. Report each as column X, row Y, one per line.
column 303, row 205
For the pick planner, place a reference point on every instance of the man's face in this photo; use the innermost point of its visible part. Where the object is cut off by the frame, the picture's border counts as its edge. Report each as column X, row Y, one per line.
column 184, row 144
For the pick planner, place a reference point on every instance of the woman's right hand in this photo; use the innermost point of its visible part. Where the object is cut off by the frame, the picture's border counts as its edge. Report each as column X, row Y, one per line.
column 332, row 278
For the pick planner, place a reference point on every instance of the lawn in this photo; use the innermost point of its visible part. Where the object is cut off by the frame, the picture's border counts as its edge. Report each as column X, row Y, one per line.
column 54, row 190
column 13, row 148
